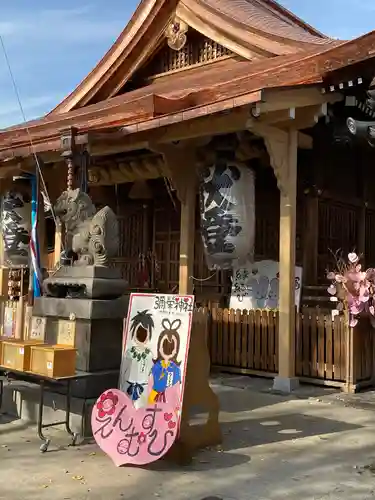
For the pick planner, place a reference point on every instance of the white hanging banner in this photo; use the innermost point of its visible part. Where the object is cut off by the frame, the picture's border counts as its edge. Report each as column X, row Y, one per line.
column 227, row 211
column 256, row 286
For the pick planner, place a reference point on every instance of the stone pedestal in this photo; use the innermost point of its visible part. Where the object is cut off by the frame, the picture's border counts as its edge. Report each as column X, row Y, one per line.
column 89, row 282
column 98, row 331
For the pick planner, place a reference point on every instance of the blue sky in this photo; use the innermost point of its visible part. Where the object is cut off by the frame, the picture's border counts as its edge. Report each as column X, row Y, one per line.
column 51, row 48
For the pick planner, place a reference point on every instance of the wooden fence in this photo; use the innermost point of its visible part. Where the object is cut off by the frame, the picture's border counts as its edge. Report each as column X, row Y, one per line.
column 326, row 351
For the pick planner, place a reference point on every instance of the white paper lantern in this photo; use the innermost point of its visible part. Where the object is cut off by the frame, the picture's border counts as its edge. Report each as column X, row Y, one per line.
column 227, row 210
column 16, row 227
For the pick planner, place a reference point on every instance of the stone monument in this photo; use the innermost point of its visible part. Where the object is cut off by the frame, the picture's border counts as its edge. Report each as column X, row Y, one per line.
column 87, row 293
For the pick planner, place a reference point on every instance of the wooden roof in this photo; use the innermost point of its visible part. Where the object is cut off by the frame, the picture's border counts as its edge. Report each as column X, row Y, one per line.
column 276, row 49
column 252, row 29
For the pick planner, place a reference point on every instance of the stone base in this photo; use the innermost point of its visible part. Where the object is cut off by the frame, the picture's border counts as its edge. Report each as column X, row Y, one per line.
column 285, row 385
column 98, row 328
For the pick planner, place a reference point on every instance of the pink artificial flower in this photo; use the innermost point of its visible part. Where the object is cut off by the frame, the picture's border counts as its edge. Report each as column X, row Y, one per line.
column 353, row 258
column 353, row 322
column 340, row 279
column 107, row 404
column 355, row 306
column 332, row 290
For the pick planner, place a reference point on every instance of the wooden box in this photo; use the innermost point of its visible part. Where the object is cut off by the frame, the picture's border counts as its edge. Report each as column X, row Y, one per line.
column 15, row 355
column 53, row 361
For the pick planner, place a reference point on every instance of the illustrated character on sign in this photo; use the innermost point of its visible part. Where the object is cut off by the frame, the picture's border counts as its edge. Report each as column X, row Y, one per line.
column 138, row 361
column 262, row 292
column 273, row 294
column 166, row 371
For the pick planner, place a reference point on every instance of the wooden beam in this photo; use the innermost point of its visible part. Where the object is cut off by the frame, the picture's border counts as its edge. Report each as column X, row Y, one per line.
column 220, row 123
column 305, row 117
column 187, row 236
column 276, row 100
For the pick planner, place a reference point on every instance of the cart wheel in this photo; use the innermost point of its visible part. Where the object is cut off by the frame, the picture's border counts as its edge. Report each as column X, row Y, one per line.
column 44, row 447
column 74, row 438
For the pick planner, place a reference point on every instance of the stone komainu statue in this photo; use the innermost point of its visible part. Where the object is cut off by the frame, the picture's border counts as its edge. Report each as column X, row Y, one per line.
column 93, row 236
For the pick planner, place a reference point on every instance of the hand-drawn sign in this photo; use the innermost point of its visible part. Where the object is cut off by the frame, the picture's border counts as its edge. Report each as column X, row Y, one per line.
column 134, row 436
column 256, row 286
column 152, row 375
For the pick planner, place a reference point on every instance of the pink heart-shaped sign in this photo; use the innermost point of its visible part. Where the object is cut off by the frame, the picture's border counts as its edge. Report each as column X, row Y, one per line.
column 134, row 436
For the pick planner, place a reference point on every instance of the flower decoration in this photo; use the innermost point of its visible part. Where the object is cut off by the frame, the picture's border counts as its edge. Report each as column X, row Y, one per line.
column 353, row 289
column 107, row 404
column 142, row 438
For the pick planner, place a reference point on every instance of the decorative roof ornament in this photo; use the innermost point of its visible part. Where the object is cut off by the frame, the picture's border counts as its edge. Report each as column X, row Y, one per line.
column 176, row 33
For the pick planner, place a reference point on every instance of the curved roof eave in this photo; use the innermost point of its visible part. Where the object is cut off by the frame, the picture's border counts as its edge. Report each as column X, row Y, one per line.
column 137, row 41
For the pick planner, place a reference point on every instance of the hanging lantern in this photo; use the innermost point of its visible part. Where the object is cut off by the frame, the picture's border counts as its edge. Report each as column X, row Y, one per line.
column 16, row 227
column 227, row 211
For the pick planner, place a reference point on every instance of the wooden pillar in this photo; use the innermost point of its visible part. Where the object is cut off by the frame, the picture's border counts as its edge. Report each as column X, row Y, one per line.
column 288, row 201
column 180, row 166
column 187, row 239
column 282, row 147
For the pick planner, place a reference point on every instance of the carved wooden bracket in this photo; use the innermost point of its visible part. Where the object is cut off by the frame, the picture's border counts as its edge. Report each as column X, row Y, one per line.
column 180, row 162
column 277, row 145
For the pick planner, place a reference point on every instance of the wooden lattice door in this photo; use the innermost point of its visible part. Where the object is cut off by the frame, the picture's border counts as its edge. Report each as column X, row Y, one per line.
column 134, row 241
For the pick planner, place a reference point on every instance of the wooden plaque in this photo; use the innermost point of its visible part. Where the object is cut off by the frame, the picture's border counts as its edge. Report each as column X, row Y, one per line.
column 38, row 328
column 9, row 323
column 66, row 332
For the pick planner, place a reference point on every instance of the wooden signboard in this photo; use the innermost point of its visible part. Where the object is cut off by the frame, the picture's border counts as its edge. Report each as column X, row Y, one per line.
column 38, row 328
column 152, row 380
column 66, row 332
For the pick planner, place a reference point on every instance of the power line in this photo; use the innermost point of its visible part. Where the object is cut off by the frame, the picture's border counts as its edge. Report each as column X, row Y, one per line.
column 18, row 97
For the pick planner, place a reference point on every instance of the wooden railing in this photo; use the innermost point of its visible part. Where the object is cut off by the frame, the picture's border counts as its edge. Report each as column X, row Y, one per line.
column 326, row 351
